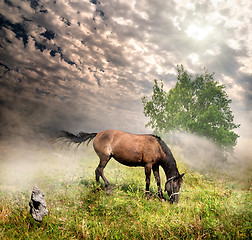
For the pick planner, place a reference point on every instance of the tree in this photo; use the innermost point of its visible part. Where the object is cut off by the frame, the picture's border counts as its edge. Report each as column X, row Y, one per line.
column 198, row 105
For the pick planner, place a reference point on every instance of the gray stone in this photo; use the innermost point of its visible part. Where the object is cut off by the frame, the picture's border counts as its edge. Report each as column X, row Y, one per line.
column 37, row 204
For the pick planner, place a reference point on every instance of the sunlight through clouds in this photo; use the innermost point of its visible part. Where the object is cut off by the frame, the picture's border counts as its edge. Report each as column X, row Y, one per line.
column 194, row 58
column 198, row 33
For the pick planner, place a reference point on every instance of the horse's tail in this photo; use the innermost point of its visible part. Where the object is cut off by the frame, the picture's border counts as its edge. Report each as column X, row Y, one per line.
column 79, row 138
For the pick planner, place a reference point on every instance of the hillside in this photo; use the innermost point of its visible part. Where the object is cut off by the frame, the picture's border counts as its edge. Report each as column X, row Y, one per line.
column 210, row 206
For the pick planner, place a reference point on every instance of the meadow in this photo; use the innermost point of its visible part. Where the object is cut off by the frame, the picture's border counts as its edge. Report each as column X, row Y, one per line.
column 211, row 206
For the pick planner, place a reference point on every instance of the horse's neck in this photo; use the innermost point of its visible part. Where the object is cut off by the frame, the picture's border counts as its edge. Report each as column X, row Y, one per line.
column 170, row 167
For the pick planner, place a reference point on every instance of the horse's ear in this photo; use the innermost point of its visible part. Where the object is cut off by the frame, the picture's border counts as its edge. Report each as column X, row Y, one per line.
column 181, row 175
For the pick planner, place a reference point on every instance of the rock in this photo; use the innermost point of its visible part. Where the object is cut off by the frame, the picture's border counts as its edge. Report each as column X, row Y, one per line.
column 37, row 204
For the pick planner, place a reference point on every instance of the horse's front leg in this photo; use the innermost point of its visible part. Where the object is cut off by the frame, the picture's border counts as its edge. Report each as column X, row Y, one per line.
column 148, row 168
column 157, row 176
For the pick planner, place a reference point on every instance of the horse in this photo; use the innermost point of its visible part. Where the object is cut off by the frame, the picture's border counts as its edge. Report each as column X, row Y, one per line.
column 145, row 150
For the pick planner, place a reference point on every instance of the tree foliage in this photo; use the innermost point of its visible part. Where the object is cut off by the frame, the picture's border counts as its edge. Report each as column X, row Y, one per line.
column 198, row 105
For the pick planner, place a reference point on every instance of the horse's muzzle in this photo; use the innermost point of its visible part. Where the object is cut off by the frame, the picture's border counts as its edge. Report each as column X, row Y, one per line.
column 174, row 197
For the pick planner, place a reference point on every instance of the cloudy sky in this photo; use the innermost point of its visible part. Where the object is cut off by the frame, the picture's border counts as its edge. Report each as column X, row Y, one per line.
column 86, row 64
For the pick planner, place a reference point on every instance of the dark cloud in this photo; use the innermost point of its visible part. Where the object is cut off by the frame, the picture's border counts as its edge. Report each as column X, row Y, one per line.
column 84, row 65
column 94, row 1
column 34, row 4
column 9, row 3
column 48, row 34
column 17, row 28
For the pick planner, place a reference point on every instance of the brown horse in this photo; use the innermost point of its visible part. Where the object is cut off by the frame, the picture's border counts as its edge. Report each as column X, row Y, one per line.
column 148, row 151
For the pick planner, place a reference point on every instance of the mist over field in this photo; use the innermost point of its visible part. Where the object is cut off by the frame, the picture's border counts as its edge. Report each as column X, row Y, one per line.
column 202, row 155
column 24, row 162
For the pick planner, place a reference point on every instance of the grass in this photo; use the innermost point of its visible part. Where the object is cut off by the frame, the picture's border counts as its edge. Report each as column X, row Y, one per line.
column 209, row 207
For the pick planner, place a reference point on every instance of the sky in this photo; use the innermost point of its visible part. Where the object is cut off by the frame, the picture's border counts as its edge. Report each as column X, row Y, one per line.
column 84, row 65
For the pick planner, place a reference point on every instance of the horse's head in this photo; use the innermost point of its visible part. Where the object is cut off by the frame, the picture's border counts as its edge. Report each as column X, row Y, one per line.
column 172, row 187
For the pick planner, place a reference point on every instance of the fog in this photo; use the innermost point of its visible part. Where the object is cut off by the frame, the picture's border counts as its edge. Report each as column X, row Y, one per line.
column 202, row 155
column 25, row 163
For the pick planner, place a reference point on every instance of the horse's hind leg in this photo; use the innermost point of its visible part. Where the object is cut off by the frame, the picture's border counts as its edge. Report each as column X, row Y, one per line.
column 99, row 172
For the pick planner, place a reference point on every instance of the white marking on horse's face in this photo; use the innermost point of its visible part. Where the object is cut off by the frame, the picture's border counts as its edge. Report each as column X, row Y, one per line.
column 172, row 188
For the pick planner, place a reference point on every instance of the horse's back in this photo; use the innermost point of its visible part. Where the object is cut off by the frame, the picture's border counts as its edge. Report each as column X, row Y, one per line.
column 110, row 138
column 127, row 148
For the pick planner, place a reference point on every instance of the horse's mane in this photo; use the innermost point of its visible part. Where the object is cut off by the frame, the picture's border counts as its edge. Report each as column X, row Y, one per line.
column 170, row 161
column 163, row 145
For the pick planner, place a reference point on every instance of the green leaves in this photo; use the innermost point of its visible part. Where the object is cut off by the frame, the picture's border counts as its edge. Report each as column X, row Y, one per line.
column 198, row 105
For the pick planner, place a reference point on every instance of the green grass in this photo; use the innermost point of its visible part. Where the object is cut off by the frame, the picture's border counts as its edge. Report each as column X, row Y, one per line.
column 209, row 207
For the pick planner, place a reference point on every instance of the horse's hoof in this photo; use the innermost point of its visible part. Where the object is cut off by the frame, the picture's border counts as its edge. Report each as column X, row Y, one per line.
column 108, row 191
column 162, row 200
column 147, row 196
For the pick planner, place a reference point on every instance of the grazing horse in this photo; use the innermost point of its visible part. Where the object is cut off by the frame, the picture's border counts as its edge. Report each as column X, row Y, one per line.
column 148, row 151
